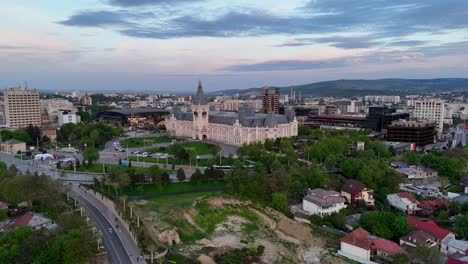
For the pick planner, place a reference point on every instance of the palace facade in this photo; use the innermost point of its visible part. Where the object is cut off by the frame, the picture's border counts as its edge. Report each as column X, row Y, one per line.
column 239, row 128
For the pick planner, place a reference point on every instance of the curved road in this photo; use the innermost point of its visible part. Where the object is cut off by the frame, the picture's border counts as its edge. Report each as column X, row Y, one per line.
column 117, row 241
column 120, row 247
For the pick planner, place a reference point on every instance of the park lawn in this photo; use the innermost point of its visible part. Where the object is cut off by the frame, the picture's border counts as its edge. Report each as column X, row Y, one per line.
column 145, row 141
column 97, row 168
column 170, row 161
column 200, row 148
column 148, row 189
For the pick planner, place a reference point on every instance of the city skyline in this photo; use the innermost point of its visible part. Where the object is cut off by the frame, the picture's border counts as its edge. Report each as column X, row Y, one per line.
column 167, row 45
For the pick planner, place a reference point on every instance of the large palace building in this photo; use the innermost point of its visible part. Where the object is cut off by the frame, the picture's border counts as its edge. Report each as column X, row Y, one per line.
column 239, row 128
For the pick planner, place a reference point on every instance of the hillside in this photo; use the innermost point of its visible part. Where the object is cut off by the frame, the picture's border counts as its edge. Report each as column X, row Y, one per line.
column 367, row 87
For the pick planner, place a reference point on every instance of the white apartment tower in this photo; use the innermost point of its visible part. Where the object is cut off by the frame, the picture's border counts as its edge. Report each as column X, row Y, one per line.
column 430, row 110
column 22, row 107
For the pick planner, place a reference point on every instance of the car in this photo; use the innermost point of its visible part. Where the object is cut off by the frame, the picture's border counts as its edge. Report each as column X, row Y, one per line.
column 122, row 150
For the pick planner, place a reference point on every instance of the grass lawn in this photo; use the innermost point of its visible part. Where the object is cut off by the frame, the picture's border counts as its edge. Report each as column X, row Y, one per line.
column 145, row 141
column 97, row 168
column 200, row 148
column 172, row 187
column 201, row 162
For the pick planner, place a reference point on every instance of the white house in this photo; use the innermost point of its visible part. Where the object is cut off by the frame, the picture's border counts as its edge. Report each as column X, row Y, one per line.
column 451, row 246
column 363, row 247
column 35, row 221
column 404, row 202
column 322, row 202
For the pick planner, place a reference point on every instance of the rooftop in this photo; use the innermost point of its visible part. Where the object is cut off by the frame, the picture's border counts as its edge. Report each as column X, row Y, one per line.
column 353, row 186
column 429, row 227
column 363, row 239
column 323, row 197
column 407, row 196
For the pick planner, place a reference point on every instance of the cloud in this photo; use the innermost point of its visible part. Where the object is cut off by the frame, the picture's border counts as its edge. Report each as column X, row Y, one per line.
column 99, row 19
column 407, row 43
column 130, row 3
column 376, row 57
column 372, row 21
column 348, row 42
column 281, row 65
column 294, row 43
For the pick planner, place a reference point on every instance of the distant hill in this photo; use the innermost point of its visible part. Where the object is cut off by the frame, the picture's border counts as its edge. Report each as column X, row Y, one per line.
column 346, row 88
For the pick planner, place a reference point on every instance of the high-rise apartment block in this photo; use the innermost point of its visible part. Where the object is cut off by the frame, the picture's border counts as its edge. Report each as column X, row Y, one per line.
column 430, row 110
column 270, row 100
column 22, row 107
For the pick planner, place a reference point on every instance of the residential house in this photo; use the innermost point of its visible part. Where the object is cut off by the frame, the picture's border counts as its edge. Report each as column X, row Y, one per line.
column 421, row 190
column 363, row 247
column 431, row 228
column 13, row 146
column 322, row 202
column 413, row 172
column 403, row 201
column 34, row 220
column 357, row 193
column 431, row 207
column 452, row 246
column 417, row 238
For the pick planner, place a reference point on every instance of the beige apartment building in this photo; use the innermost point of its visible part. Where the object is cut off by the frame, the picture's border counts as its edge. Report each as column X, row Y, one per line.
column 431, row 110
column 22, row 107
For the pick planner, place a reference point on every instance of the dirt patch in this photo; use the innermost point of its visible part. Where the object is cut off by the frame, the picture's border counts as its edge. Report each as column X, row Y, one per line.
column 233, row 224
column 294, row 229
column 226, row 240
column 220, row 202
column 170, row 237
column 204, row 241
column 270, row 223
column 204, row 259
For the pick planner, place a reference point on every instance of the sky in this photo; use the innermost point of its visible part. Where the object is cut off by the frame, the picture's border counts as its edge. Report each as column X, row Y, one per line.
column 168, row 45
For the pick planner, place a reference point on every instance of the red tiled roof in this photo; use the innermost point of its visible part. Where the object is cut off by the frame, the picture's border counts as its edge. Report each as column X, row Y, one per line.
column 363, row 239
column 407, row 196
column 23, row 220
column 387, row 246
column 358, row 238
column 429, row 227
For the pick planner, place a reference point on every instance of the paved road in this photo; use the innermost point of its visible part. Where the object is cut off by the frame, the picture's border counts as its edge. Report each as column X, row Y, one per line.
column 117, row 241
column 118, row 244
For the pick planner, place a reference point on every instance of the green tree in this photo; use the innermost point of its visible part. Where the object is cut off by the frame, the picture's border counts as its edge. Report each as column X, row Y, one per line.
column 280, row 202
column 422, row 254
column 196, row 176
column 461, row 225
column 91, row 155
column 180, row 175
